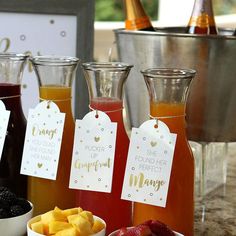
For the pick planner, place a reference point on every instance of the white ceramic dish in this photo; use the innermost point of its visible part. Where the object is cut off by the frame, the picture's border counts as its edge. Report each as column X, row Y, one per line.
column 37, row 218
column 15, row 226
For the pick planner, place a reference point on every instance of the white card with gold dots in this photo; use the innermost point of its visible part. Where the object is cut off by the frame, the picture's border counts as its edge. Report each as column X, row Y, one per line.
column 93, row 153
column 4, row 119
column 43, row 141
column 149, row 164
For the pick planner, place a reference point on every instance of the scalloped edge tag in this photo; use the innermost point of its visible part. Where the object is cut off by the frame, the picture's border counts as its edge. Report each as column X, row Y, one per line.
column 93, row 153
column 43, row 139
column 149, row 164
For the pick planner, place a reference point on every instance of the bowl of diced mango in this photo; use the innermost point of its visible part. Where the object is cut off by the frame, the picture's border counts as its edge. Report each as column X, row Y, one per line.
column 69, row 222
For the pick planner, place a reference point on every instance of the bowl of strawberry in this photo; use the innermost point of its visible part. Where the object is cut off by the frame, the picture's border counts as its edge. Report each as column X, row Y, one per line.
column 148, row 228
column 14, row 213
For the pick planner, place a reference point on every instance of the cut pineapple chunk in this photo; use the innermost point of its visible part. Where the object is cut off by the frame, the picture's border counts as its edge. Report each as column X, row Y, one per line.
column 53, row 215
column 69, row 222
column 38, row 227
column 97, row 226
column 56, row 226
column 88, row 216
column 68, row 232
column 57, row 209
column 82, row 224
column 72, row 211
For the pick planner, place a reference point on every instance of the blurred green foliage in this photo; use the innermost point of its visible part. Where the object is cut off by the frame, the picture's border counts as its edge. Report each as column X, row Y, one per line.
column 222, row 7
column 113, row 10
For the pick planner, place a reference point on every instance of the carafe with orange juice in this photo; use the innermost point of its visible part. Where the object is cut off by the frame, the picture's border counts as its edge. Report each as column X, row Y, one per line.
column 55, row 75
column 105, row 84
column 168, row 90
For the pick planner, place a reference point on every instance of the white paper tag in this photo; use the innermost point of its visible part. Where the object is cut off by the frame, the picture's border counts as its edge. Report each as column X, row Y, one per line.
column 43, row 141
column 4, row 119
column 93, row 153
column 149, row 164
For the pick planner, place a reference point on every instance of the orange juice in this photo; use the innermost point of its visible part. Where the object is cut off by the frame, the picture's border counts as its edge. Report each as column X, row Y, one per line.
column 46, row 194
column 179, row 211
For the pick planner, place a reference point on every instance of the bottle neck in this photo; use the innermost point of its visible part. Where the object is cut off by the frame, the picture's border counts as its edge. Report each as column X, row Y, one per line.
column 202, row 19
column 136, row 18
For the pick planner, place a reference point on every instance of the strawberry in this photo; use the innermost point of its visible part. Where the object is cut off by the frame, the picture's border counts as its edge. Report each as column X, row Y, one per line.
column 139, row 230
column 160, row 229
column 122, row 231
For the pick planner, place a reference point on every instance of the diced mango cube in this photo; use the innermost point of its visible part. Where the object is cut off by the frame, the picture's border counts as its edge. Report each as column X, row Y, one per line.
column 72, row 211
column 88, row 216
column 53, row 215
column 82, row 224
column 97, row 226
column 56, row 226
column 68, row 232
column 38, row 227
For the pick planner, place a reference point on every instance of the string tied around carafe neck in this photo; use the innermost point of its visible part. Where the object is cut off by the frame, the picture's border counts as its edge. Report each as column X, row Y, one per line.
column 164, row 117
column 55, row 100
column 13, row 96
column 108, row 111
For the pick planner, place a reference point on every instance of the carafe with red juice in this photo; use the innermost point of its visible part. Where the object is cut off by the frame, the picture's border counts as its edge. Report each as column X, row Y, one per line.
column 11, row 70
column 105, row 84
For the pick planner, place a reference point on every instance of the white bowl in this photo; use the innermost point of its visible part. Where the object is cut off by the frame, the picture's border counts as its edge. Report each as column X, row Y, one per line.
column 30, row 232
column 116, row 231
column 15, row 226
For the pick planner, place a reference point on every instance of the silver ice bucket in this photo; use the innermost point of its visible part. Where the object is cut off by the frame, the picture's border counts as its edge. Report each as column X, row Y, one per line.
column 211, row 106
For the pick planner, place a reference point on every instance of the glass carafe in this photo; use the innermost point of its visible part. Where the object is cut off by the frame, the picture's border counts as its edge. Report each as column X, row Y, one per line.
column 105, row 84
column 11, row 70
column 55, row 75
column 168, row 89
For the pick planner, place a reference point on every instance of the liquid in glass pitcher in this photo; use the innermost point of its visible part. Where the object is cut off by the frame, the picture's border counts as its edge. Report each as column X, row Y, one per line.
column 105, row 84
column 11, row 70
column 55, row 75
column 168, row 89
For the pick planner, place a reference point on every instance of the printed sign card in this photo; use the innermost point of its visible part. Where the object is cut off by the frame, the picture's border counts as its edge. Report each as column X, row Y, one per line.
column 93, row 153
column 149, row 164
column 43, row 141
column 4, row 119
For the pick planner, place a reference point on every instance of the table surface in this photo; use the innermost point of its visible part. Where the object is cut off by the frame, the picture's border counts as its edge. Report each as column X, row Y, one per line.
column 220, row 206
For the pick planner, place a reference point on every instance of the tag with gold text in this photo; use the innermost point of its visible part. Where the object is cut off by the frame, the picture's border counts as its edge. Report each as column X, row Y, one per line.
column 4, row 119
column 149, row 164
column 43, row 141
column 93, row 153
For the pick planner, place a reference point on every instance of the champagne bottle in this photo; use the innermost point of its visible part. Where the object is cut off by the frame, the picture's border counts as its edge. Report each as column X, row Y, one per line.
column 202, row 19
column 136, row 17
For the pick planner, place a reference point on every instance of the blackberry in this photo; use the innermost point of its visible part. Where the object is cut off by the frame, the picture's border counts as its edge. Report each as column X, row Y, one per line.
column 8, row 197
column 16, row 210
column 24, row 204
column 4, row 205
column 3, row 188
column 3, row 213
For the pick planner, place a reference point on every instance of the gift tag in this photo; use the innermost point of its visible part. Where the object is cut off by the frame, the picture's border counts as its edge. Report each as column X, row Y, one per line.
column 4, row 119
column 149, row 164
column 43, row 141
column 93, row 153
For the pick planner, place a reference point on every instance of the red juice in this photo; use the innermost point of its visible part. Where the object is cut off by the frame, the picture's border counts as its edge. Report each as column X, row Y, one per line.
column 116, row 212
column 13, row 147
